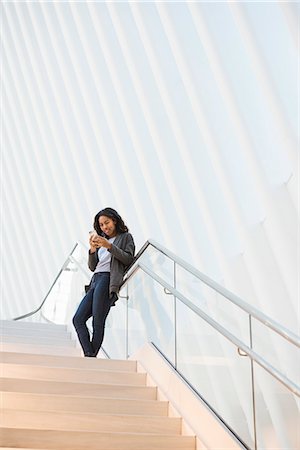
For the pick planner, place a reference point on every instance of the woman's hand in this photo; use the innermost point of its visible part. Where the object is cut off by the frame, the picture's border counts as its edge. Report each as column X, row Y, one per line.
column 100, row 241
column 97, row 241
column 93, row 242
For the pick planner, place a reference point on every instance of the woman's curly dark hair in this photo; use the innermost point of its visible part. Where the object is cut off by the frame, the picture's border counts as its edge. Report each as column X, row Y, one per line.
column 112, row 213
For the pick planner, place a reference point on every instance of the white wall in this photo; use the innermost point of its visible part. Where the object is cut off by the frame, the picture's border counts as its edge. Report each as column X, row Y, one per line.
column 182, row 116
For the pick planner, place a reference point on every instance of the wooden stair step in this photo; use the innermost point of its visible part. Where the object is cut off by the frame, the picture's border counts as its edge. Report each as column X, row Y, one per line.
column 39, row 340
column 23, row 371
column 66, row 403
column 39, row 349
column 61, row 420
column 81, row 440
column 75, row 362
column 61, row 334
column 80, row 389
column 31, row 325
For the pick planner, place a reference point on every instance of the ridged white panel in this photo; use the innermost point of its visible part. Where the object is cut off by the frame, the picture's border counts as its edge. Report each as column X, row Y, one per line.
column 180, row 115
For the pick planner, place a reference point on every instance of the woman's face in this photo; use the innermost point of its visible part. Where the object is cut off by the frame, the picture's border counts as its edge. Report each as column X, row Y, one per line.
column 108, row 226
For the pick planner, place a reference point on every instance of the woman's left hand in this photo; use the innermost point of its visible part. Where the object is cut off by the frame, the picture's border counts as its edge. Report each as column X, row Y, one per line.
column 102, row 242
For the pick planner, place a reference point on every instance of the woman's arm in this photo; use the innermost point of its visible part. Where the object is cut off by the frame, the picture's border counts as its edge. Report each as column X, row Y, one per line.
column 92, row 260
column 125, row 254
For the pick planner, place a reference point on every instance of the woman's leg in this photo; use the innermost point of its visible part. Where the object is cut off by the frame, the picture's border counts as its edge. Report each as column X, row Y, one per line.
column 83, row 313
column 100, row 310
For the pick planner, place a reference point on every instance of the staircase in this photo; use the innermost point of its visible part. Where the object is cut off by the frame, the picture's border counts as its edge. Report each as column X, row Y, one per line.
column 53, row 398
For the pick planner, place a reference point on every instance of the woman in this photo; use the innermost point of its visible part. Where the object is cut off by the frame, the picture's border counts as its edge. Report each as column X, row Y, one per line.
column 111, row 251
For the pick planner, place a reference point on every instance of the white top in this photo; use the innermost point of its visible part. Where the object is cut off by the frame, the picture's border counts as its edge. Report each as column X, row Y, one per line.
column 104, row 257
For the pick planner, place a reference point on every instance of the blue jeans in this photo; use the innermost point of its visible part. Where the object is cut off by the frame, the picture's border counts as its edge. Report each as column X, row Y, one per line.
column 96, row 303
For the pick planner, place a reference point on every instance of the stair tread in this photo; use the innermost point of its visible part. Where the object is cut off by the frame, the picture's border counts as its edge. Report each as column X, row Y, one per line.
column 43, row 350
column 10, row 331
column 38, row 341
column 60, row 402
column 27, row 381
column 82, row 375
column 73, row 369
column 78, row 389
column 66, row 361
column 28, row 324
column 85, row 421
column 77, row 397
column 103, row 433
column 108, row 433
column 78, row 440
column 85, row 413
column 9, row 337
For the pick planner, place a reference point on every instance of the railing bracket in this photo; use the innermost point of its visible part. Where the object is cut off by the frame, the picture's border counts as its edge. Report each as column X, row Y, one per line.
column 241, row 352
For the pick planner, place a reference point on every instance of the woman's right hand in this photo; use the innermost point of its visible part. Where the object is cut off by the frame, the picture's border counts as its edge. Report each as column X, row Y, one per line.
column 93, row 244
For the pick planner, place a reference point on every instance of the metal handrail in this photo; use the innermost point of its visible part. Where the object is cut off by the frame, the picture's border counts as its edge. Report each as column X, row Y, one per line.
column 263, row 318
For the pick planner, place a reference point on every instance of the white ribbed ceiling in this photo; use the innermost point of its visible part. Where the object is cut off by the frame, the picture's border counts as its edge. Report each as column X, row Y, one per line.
column 181, row 115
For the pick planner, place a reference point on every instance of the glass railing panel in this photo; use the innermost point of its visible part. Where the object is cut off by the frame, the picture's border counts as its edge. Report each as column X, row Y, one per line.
column 227, row 314
column 150, row 316
column 115, row 336
column 277, row 413
column 276, row 350
column 213, row 366
column 159, row 263
column 68, row 289
column 64, row 296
